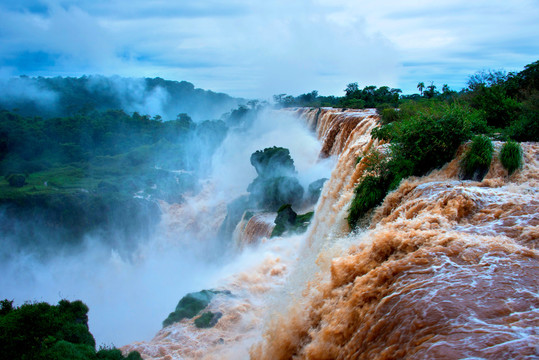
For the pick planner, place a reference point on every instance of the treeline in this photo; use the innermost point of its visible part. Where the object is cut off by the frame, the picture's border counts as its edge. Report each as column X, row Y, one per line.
column 66, row 96
column 39, row 331
column 97, row 173
column 355, row 98
column 506, row 101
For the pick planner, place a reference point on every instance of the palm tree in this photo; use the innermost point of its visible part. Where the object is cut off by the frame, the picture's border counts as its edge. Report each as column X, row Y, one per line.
column 421, row 86
column 445, row 89
column 431, row 90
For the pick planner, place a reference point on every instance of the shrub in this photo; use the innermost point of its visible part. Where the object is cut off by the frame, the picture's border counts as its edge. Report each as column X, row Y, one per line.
column 478, row 157
column 525, row 128
column 50, row 332
column 428, row 140
column 388, row 115
column 370, row 192
column 511, row 156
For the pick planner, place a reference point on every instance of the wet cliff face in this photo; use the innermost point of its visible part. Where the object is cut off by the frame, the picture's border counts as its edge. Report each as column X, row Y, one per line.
column 445, row 269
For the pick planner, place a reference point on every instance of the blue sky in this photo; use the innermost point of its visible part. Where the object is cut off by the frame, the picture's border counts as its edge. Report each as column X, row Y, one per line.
column 257, row 49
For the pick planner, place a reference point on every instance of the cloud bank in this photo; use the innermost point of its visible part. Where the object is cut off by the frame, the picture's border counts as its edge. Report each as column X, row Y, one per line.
column 257, row 49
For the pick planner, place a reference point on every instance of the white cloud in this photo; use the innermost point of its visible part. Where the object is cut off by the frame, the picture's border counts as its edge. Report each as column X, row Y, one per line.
column 258, row 49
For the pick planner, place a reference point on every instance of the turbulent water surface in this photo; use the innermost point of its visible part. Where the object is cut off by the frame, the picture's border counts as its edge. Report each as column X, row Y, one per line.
column 446, row 269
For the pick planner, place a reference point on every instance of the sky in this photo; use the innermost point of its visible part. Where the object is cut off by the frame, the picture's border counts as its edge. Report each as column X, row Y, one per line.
column 256, row 49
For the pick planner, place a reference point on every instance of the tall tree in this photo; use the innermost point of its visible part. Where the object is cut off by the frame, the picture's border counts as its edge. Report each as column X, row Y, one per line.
column 421, row 86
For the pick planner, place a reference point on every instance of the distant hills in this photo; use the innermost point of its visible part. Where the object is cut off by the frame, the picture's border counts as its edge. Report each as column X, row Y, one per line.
column 66, row 96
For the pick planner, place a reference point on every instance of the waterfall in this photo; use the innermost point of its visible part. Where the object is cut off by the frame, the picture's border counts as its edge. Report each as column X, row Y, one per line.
column 445, row 269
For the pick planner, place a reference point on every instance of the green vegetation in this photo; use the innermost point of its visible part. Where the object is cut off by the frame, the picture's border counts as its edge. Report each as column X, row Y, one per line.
column 287, row 221
column 355, row 98
column 16, row 180
column 50, row 332
column 79, row 174
column 370, row 192
column 426, row 130
column 68, row 96
column 190, row 305
column 511, row 156
column 207, row 320
column 273, row 161
column 477, row 158
column 420, row 141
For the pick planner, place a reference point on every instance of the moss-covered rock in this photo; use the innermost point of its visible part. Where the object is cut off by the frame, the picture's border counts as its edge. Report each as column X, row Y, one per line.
column 189, row 306
column 288, row 221
column 274, row 161
column 270, row 193
column 192, row 304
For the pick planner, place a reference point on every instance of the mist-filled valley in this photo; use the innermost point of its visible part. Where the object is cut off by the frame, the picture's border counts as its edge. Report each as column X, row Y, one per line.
column 195, row 225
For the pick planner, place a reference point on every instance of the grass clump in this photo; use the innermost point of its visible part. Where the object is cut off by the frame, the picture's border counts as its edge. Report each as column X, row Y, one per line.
column 511, row 156
column 477, row 159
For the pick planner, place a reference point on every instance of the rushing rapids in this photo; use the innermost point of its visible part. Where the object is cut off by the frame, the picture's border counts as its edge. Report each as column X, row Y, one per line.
column 446, row 269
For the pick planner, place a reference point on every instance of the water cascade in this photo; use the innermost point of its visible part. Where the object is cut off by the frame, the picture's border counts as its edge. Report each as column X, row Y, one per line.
column 445, row 269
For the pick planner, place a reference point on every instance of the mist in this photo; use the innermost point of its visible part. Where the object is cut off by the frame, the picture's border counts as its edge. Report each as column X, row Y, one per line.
column 132, row 284
column 23, row 90
column 58, row 96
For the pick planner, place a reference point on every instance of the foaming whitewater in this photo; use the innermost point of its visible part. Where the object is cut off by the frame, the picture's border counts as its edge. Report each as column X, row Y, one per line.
column 445, row 269
column 257, row 277
column 250, row 231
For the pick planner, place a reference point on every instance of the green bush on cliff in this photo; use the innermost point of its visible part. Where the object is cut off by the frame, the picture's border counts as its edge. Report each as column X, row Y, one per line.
column 424, row 138
column 511, row 156
column 49, row 332
column 477, row 158
column 428, row 139
column 370, row 192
